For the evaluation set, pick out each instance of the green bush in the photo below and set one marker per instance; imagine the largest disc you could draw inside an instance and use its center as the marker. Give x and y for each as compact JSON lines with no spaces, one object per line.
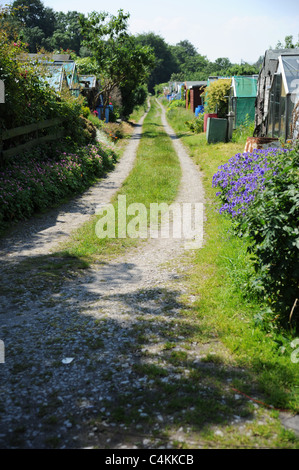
{"x":216,"y":97}
{"x":243,"y":131}
{"x":197,"y":124}
{"x":176,"y":104}
{"x":30,"y":99}
{"x":259,"y":191}
{"x":36,"y":180}
{"x":271,"y":224}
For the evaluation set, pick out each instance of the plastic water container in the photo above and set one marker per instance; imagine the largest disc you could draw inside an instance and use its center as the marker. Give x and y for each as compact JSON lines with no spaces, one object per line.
{"x":198,"y":110}
{"x":206,"y":117}
{"x":216,"y":130}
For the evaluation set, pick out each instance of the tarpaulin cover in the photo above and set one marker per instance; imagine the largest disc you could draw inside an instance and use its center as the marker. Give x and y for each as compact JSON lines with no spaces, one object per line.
{"x":245,"y":109}
{"x":245,"y":87}
{"x":244,"y":94}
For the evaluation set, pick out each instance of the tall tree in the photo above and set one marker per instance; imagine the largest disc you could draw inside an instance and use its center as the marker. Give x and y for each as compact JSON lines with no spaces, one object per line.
{"x":288,"y":43}
{"x":182,"y":51}
{"x":165,"y":62}
{"x":35,"y":22}
{"x":122,"y":60}
{"x":67,"y":34}
{"x":243,"y":69}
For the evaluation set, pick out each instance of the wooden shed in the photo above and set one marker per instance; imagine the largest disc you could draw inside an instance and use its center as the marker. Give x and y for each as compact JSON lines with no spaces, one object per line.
{"x":194,"y":91}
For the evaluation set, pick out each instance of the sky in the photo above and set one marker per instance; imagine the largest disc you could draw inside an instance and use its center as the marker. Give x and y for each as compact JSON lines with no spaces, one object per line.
{"x":238,"y":30}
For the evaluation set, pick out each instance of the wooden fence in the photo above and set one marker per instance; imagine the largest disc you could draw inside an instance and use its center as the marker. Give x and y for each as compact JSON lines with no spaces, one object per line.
{"x":33,"y":137}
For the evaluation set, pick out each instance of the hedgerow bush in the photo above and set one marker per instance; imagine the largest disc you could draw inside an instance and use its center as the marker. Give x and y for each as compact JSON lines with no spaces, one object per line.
{"x":196,"y":124}
{"x":216,"y":97}
{"x":29,"y":98}
{"x":259,"y":191}
{"x":176,"y":104}
{"x":34,"y":182}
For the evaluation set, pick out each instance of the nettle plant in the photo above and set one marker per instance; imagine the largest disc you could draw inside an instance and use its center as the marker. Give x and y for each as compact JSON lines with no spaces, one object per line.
{"x":259,"y":191}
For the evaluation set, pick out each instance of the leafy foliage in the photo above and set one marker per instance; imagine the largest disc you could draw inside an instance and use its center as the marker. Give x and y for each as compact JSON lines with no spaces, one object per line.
{"x":260,"y":191}
{"x":288,"y":43}
{"x":29,"y":98}
{"x":165,"y":63}
{"x":36,"y":180}
{"x":123,"y":62}
{"x":216,"y":97}
{"x":196,"y":125}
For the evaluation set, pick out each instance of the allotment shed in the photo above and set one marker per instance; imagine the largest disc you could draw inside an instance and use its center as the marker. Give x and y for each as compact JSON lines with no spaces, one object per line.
{"x":264,"y":86}
{"x":194,"y":92}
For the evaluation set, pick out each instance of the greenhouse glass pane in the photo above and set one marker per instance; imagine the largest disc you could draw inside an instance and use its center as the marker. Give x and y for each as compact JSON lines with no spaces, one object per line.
{"x":282,"y":116}
{"x":291,"y":72}
{"x":276,"y":103}
{"x":290,"y":109}
{"x":271,"y":115}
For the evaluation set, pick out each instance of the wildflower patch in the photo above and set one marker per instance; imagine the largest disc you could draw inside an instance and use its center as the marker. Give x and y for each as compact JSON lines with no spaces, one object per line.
{"x":34,"y":182}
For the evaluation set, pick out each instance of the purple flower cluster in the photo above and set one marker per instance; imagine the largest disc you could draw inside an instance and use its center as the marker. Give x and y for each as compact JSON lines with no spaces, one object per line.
{"x":242,"y":176}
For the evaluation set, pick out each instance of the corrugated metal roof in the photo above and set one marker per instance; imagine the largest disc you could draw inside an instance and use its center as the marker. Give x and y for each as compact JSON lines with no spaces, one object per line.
{"x":195,"y":83}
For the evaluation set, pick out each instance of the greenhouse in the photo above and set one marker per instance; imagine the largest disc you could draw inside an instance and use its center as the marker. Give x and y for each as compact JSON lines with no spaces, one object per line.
{"x":56,"y":77}
{"x":71,"y":75}
{"x":242,"y":99}
{"x":284,"y":95}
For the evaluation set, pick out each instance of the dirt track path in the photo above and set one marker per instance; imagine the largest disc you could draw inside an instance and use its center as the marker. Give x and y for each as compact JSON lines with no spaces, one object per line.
{"x":104,"y":360}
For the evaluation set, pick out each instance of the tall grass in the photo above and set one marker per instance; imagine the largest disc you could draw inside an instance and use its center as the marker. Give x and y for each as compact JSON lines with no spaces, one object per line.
{"x":219,"y":276}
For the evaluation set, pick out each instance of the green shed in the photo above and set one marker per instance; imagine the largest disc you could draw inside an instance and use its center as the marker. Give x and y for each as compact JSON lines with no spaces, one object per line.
{"x":242,"y":98}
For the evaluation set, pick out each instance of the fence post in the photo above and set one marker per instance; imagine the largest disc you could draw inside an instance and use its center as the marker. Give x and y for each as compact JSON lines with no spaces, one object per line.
{"x":2,"y":92}
{"x":230,"y":119}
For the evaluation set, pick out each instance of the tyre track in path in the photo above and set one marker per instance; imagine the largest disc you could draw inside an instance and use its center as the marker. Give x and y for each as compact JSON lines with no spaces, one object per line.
{"x":109,"y":359}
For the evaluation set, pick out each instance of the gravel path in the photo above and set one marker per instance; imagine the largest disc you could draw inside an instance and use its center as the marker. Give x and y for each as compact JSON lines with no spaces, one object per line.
{"x":103,"y":360}
{"x":39,"y":236}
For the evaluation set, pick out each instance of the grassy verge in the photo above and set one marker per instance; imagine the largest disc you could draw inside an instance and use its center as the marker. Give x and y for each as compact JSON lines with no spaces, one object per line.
{"x":218,"y":279}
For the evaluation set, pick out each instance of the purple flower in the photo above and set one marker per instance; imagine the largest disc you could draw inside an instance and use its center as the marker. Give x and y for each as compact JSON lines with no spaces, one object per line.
{"x":242,"y":177}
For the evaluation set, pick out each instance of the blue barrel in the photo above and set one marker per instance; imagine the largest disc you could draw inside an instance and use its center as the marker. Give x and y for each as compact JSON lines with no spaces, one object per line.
{"x":198,"y":110}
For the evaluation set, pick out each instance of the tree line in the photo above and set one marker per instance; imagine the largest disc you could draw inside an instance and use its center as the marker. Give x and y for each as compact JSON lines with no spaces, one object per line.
{"x":43,"y":28}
